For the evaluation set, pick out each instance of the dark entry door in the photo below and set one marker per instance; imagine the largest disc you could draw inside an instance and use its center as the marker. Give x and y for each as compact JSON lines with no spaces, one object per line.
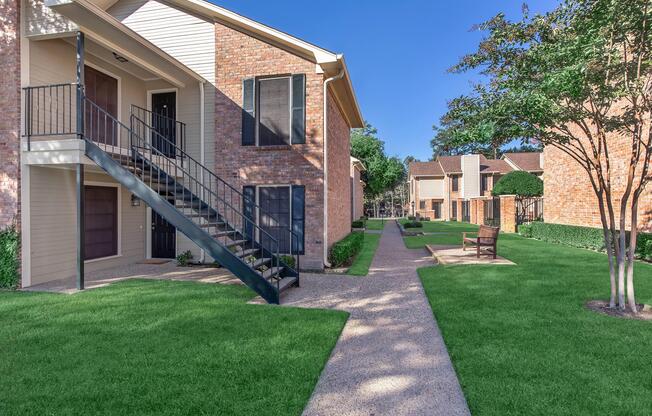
{"x":164,"y":115}
{"x":163,"y":238}
{"x":102,"y":90}
{"x":275,"y":216}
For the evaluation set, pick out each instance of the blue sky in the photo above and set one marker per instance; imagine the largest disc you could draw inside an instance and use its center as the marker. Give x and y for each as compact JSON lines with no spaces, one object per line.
{"x":397,"y":53}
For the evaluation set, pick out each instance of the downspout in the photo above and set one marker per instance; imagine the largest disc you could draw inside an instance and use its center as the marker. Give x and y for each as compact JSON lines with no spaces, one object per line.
{"x":325,"y":239}
{"x":202,"y":132}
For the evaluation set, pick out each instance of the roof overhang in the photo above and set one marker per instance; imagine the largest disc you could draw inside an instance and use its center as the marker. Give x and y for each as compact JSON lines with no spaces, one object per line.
{"x":110,"y":33}
{"x":357,"y":163}
{"x":331,"y":64}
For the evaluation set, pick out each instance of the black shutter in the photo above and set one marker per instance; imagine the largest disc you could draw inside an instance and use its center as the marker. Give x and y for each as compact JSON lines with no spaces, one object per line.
{"x":249,"y":210}
{"x":249,"y":112}
{"x":298,"y":109}
{"x":298,"y":218}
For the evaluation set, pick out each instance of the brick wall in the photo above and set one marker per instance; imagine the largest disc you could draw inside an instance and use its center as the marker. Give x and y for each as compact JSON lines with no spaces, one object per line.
{"x":240,"y":56}
{"x":339,"y":177}
{"x":569,"y":197}
{"x":357,"y":189}
{"x":9,"y":112}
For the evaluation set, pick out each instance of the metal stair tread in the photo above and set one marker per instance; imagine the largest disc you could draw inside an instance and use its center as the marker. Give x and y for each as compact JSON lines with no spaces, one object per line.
{"x":286,"y":283}
{"x":272,"y":272}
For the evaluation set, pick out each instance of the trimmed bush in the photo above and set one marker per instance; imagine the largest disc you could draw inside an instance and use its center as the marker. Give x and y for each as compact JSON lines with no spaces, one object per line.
{"x":289,"y":260}
{"x":413,"y":224}
{"x":518,"y":183}
{"x":9,"y":246}
{"x":357,"y":224}
{"x":411,"y":218}
{"x":344,"y":250}
{"x":183,"y":259}
{"x":581,"y":237}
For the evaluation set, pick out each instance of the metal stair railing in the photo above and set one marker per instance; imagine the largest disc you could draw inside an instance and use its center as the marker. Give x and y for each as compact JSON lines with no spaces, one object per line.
{"x":173,"y":130}
{"x":48,"y":113}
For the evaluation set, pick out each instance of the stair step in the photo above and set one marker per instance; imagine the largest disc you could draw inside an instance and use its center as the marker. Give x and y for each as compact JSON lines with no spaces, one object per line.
{"x":245,"y":253}
{"x":212,"y":224}
{"x":286,"y":283}
{"x":260,"y":262}
{"x":273,"y":272}
{"x":237,"y":243}
{"x":224,"y":233}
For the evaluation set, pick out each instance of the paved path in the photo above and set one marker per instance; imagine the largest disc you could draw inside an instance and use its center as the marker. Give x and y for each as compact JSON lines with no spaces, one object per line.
{"x":390,"y":358}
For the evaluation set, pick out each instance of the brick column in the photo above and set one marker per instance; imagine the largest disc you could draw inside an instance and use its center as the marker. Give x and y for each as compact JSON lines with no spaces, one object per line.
{"x":480,"y":208}
{"x":508,"y":213}
{"x":10,"y":113}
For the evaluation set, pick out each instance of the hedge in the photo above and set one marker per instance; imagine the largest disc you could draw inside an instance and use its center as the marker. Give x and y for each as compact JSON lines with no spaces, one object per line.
{"x":9,"y":245}
{"x":582,"y":237}
{"x":413,"y":224}
{"x":344,"y":250}
{"x":357,"y":224}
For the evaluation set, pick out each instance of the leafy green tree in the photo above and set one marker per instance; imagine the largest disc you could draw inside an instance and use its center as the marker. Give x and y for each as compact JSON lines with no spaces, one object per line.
{"x":576,"y":78}
{"x":519,"y":183}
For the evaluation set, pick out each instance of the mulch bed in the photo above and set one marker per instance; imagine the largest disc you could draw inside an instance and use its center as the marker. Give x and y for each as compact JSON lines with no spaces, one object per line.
{"x":600,"y":306}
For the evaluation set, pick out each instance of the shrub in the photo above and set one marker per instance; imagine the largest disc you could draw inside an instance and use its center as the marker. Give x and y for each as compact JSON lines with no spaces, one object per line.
{"x":413,"y":224}
{"x":289,"y":260}
{"x":425,"y":219}
{"x":9,"y":245}
{"x":519,"y":183}
{"x":582,"y":237}
{"x":357,"y":224}
{"x":411,"y":218}
{"x":343,"y":251}
{"x":184,"y":258}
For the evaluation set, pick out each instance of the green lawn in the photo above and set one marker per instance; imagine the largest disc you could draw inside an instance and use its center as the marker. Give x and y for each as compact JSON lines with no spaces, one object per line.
{"x":523,"y":344}
{"x":447,"y":233}
{"x":375,"y":224}
{"x":159,"y":348}
{"x":360,"y":266}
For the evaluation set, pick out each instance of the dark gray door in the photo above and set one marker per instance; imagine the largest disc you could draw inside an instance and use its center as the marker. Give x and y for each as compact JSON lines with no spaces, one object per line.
{"x":164,"y":115}
{"x":164,"y":238}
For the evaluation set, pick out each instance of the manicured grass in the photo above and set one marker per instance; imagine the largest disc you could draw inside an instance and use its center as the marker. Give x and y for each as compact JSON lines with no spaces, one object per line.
{"x":159,"y":348}
{"x":523,"y":344}
{"x":375,"y":224}
{"x":447,"y":233}
{"x":360,"y":266}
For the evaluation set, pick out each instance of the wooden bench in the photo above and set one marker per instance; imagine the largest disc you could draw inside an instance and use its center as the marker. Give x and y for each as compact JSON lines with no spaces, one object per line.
{"x":486,"y":237}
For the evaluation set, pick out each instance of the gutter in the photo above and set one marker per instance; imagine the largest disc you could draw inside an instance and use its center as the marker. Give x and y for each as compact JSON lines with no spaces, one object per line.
{"x":325,"y":238}
{"x":202,"y":148}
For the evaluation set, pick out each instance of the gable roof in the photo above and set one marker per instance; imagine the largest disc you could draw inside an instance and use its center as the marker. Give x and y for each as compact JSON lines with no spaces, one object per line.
{"x":332,"y":64}
{"x":527,"y":161}
{"x":425,"y":169}
{"x":494,"y":165}
{"x":450,"y":164}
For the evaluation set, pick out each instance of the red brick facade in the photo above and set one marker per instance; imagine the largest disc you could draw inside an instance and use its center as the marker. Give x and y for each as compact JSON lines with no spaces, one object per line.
{"x":569,"y":196}
{"x":9,"y":112}
{"x":240,"y":56}
{"x":339,"y":174}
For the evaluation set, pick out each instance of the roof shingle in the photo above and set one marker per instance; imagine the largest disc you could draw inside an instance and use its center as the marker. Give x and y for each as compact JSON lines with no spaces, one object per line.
{"x":425,"y":169}
{"x":527,"y":161}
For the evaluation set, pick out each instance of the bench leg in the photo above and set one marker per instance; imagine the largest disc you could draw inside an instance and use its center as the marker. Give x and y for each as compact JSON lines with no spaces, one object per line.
{"x":478,"y":252}
{"x":495,"y":251}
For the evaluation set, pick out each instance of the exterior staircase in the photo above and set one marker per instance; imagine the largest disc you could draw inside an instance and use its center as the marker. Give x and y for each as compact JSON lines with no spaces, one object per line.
{"x":217,"y":217}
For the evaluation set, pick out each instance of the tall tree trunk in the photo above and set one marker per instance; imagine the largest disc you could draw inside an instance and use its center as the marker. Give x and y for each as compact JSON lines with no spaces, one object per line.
{"x":631,"y":298}
{"x":609,"y":246}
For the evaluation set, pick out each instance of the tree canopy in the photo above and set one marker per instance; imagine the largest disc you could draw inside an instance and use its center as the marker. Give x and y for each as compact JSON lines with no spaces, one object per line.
{"x":519,"y":183}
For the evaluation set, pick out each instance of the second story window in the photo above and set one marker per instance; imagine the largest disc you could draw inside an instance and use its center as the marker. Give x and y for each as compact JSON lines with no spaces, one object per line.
{"x":274,"y":110}
{"x":455,"y":183}
{"x":484,"y":183}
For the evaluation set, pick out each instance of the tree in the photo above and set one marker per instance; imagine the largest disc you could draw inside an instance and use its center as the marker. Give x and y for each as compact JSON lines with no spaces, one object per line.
{"x":579,"y":78}
{"x":519,"y":183}
{"x":482,"y":122}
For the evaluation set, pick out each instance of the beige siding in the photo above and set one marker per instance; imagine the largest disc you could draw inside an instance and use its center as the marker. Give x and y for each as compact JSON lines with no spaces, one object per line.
{"x":40,"y":20}
{"x":431,"y":188}
{"x":53,"y":225}
{"x":471,"y":176}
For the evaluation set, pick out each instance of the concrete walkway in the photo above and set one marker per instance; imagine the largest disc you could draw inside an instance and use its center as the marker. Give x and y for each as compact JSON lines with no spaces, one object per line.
{"x":390,"y":358}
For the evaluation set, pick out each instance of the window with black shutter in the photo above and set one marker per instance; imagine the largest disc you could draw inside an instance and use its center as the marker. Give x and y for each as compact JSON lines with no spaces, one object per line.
{"x":422,"y":204}
{"x":274,"y":110}
{"x":455,"y":183}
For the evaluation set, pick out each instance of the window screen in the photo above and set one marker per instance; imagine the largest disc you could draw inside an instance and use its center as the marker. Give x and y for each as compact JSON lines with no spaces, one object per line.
{"x":274,"y":111}
{"x":275,"y":215}
{"x":100,"y":222}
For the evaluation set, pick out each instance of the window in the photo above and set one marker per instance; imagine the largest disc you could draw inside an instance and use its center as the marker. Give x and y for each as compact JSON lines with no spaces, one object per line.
{"x":455,"y":183}
{"x":282,"y":208}
{"x":422,"y":204}
{"x":274,"y":111}
{"x":436,"y":207}
{"x":484,"y":183}
{"x":100,"y":222}
{"x":454,"y":210}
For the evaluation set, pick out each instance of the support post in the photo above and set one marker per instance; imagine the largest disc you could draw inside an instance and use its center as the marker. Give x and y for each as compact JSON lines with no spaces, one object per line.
{"x":80,"y":167}
{"x":80,"y":84}
{"x":80,"y":227}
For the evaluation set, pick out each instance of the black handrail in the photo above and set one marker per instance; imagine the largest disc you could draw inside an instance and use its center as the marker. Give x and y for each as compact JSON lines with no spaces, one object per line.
{"x":170,"y":128}
{"x":199,"y":187}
